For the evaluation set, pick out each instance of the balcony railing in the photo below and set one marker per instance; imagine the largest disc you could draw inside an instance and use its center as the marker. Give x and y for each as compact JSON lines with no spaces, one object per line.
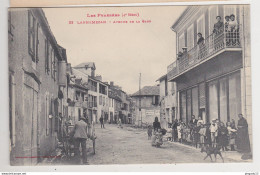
{"x":211,"y":45}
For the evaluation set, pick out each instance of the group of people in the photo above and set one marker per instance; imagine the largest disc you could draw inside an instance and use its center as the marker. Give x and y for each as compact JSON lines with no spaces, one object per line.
{"x":228,"y":136}
{"x":231,"y":30}
{"x":155,"y":133}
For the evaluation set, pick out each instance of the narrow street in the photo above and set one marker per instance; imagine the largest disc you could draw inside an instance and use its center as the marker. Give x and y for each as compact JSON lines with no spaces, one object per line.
{"x":131,"y":146}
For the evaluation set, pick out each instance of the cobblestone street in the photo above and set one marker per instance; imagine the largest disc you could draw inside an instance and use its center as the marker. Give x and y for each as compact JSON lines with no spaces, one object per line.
{"x":130,"y":146}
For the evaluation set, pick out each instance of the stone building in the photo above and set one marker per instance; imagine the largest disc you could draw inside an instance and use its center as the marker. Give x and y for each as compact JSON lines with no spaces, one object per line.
{"x":97,"y":93}
{"x":148,"y":109}
{"x":167,"y":101}
{"x":37,"y":83}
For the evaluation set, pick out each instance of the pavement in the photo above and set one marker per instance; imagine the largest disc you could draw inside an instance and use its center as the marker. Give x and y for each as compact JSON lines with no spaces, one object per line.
{"x":130,"y":145}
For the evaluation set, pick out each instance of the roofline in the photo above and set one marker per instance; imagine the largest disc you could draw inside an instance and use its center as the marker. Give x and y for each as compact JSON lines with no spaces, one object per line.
{"x":97,"y":80}
{"x":144,"y":95}
{"x":162,"y":77}
{"x":47,"y":29}
{"x":180,"y":17}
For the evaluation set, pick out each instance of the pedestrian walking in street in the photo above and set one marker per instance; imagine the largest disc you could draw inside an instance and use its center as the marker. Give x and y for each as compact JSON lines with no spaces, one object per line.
{"x":150,"y":132}
{"x":102,"y":121}
{"x":80,"y":136}
{"x":119,"y":123}
{"x":243,"y":143}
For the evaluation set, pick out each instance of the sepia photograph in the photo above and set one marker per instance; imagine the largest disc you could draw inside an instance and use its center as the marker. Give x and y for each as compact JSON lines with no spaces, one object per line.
{"x":130,"y":85}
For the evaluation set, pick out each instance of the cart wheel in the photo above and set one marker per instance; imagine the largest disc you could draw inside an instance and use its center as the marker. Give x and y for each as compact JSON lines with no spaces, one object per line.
{"x":94,"y":146}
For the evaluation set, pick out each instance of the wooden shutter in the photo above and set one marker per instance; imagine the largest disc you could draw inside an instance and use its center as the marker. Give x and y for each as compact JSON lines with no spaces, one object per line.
{"x":190,"y":37}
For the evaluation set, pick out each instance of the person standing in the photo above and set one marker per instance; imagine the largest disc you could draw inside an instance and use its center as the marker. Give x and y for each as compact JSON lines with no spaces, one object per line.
{"x":243,"y":143}
{"x":174,"y":130}
{"x":227,"y":18}
{"x":201,"y":45}
{"x":102,"y":121}
{"x":156,"y":124}
{"x":232,"y":135}
{"x":80,"y":137}
{"x":223,"y":136}
{"x":218,"y":29}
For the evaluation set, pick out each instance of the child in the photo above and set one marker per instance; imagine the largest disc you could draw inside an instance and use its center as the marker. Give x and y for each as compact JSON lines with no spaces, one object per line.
{"x":232,"y":135}
{"x":202,"y":133}
{"x":150,"y":132}
{"x":179,"y":130}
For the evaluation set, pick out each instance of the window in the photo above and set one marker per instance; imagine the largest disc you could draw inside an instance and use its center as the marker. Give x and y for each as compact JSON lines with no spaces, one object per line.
{"x":166,"y":87}
{"x":47,"y":113}
{"x":189,"y":105}
{"x":230,"y":9}
{"x":53,"y":65}
{"x":33,"y":37}
{"x":77,"y":95}
{"x":183,"y":106}
{"x":95,"y":101}
{"x":50,"y":57}
{"x":47,"y":68}
{"x":181,"y":42}
{"x":213,"y":13}
{"x":223,"y":99}
{"x":234,"y":96}
{"x":190,"y":37}
{"x":195,"y":101}
{"x":100,"y":100}
{"x":104,"y":101}
{"x":213,"y":100}
{"x":201,"y":25}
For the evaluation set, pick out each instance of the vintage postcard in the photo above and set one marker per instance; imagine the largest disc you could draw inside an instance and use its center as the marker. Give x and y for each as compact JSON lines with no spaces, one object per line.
{"x":130,"y":85}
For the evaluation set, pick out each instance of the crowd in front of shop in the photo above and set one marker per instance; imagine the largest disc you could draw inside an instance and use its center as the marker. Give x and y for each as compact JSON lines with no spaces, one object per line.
{"x":226,"y":136}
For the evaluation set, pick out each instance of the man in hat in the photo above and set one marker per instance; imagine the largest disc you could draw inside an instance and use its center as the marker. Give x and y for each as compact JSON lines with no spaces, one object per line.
{"x":80,"y":136}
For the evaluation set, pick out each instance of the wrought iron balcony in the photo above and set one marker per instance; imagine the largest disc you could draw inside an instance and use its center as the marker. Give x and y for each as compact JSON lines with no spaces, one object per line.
{"x":213,"y":45}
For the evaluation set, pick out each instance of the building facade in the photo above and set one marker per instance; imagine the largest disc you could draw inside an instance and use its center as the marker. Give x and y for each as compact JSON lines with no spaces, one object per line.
{"x":97,"y":93}
{"x":148,"y":109}
{"x":37,"y":83}
{"x":213,"y":78}
{"x":167,"y":102}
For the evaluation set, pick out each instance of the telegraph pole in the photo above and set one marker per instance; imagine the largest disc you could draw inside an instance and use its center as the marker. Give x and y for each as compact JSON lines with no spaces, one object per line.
{"x":140,"y":110}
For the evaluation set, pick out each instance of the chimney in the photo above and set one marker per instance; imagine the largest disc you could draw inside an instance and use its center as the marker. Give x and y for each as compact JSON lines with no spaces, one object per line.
{"x":111,"y":83}
{"x":99,"y":77}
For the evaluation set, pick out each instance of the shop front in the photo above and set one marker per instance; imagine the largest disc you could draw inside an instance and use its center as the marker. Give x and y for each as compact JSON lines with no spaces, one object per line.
{"x":212,"y":90}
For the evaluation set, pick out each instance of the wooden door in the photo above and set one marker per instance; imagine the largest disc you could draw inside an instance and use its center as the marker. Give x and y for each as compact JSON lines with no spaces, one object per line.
{"x":30,"y":126}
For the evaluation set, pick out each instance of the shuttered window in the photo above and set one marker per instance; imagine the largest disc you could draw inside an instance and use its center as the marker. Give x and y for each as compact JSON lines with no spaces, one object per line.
{"x":190,"y":37}
{"x":202,"y":99}
{"x":201,"y":25}
{"x":230,"y":9}
{"x":213,"y":13}
{"x":181,"y":42}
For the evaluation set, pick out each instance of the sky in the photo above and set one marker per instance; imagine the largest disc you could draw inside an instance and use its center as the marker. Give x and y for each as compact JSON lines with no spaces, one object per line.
{"x":121,"y":51}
